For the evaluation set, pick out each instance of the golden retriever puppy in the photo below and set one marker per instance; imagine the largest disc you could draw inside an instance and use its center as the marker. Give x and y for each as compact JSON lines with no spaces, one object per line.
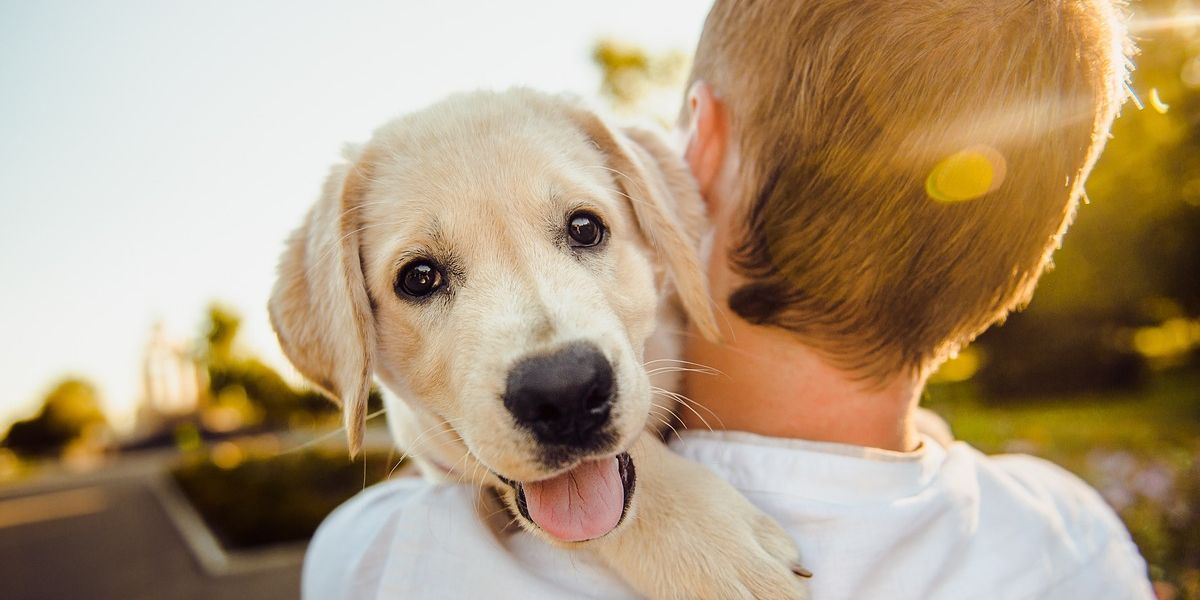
{"x":516,"y":273}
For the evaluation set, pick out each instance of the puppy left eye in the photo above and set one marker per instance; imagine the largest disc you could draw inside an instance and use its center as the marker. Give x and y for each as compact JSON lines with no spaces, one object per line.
{"x":584,"y":230}
{"x":418,"y":279}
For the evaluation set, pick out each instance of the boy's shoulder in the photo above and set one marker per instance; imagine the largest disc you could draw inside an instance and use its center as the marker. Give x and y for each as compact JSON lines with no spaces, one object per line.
{"x":1047,"y":486}
{"x":944,"y":521}
{"x":1082,"y":548}
{"x":1054,"y":496}
{"x":967,"y":526}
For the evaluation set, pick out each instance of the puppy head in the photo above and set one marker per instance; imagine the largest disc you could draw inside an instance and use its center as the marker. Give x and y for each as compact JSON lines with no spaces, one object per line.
{"x":497,"y":260}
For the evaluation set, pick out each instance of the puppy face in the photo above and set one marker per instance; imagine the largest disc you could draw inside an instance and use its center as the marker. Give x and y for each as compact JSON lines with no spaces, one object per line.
{"x":497,"y":260}
{"x":495,"y":241}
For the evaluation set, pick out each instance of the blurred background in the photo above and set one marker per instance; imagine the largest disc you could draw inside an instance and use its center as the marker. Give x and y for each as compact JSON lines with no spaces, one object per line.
{"x":153,"y":441}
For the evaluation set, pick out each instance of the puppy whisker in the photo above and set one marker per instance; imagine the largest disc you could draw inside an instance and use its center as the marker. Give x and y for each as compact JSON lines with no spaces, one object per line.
{"x":659,"y":370}
{"x":661,"y":419}
{"x":362,"y":205}
{"x":681,"y":362}
{"x":325,"y":436}
{"x":442,"y":428}
{"x":687,"y":403}
{"x":454,"y":469}
{"x":392,"y":470}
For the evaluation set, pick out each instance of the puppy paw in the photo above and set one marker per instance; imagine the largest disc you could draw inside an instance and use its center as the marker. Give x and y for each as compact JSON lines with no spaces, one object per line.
{"x":692,"y":535}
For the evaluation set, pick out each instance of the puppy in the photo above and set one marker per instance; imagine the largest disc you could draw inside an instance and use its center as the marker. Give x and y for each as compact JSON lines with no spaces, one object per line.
{"x":516,"y":273}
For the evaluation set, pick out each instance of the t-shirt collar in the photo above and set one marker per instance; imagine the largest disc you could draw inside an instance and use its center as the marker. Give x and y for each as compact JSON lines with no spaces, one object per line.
{"x":824,"y":471}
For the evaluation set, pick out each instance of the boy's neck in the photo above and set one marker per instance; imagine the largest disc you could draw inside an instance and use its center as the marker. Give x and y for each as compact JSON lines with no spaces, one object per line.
{"x":771,"y":385}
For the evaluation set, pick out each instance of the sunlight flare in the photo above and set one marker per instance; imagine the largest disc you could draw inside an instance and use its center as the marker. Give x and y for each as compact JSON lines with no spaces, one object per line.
{"x":1157,"y":103}
{"x":1162,"y":23}
{"x":966,"y":175}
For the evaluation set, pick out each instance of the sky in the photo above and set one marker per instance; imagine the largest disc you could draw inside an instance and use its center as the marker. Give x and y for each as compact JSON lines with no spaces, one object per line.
{"x":154,"y":155}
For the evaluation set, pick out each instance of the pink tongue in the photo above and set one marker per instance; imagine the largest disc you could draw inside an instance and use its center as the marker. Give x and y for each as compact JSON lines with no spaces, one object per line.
{"x":581,"y":504}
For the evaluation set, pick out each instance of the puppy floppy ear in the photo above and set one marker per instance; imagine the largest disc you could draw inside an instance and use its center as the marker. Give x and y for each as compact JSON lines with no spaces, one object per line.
{"x":319,"y":307}
{"x":667,"y":206}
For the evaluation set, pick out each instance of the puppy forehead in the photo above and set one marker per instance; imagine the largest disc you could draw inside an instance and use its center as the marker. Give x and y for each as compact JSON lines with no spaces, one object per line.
{"x":448,"y":179}
{"x":478,"y":153}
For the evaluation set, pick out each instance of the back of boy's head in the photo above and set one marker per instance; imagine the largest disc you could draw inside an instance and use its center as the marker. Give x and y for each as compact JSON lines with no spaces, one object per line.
{"x":907,"y":166}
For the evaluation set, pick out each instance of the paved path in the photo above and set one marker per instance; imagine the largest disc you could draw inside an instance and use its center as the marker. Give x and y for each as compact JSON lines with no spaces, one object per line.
{"x":108,"y":537}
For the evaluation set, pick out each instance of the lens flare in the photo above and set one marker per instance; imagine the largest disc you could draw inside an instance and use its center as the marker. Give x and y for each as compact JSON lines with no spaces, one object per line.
{"x":1190,"y":74}
{"x":1157,"y":103}
{"x":1182,"y":20}
{"x":966,"y":175}
{"x":227,"y":455}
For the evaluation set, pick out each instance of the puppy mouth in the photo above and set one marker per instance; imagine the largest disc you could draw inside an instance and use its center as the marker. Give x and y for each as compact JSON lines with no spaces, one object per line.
{"x":583,"y":503}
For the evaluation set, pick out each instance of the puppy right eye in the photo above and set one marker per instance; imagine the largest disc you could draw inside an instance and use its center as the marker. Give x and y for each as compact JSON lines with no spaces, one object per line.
{"x":585,"y":230}
{"x":418,"y":279}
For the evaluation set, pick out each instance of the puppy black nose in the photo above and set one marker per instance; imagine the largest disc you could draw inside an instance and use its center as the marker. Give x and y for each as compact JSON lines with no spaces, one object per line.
{"x":563,"y":398}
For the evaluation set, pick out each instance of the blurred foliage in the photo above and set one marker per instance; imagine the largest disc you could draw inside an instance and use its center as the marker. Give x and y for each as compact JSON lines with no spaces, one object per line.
{"x":221,"y":329}
{"x":635,"y":81}
{"x":256,"y":500}
{"x":253,"y":496}
{"x":1124,"y":293}
{"x":1039,"y":354}
{"x":70,"y":412}
{"x":246,"y":386}
{"x":1133,"y":247}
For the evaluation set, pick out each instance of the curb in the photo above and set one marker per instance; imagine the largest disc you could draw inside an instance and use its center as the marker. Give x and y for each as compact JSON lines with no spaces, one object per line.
{"x":212,"y":557}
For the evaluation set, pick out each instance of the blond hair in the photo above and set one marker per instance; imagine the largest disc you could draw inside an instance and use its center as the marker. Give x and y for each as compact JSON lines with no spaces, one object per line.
{"x":849,"y":116}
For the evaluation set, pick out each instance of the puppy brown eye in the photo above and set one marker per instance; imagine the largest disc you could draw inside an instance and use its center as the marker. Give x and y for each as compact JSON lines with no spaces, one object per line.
{"x":419,"y":279}
{"x":584,"y":230}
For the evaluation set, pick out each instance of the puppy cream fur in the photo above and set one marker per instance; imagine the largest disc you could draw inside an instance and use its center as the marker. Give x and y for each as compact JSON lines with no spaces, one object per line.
{"x":483,"y":181}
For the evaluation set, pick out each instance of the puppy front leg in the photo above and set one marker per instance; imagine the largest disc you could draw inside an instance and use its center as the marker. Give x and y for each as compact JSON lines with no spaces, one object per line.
{"x":692,"y":535}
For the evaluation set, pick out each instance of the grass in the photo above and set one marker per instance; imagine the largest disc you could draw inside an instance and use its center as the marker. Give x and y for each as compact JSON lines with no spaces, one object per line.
{"x":1163,"y":417}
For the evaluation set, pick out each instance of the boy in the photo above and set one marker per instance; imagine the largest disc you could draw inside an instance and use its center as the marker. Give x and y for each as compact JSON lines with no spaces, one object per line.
{"x":885,"y":180}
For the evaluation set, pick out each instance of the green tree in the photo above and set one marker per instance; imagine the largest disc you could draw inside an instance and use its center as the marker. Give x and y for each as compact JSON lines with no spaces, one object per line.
{"x":1131,"y":259}
{"x":221,"y":329}
{"x":1135,"y":238}
{"x":237,"y":376}
{"x":234,"y":375}
{"x":69,"y":410}
{"x":638,"y":82}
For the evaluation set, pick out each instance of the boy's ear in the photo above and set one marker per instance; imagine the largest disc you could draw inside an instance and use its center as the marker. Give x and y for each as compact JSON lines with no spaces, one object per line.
{"x":667,"y":206}
{"x":707,"y":135}
{"x":319,"y":306}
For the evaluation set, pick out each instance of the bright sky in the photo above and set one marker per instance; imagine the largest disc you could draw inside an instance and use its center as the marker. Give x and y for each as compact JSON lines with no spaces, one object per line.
{"x":154,"y":155}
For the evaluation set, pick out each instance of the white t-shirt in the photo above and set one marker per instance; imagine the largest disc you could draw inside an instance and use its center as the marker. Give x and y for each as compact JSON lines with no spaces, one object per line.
{"x":935,"y":523}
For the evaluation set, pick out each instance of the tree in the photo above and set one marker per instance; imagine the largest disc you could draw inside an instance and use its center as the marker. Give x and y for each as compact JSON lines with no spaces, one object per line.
{"x":1129,"y":263}
{"x":637,"y":82}
{"x":234,"y":375}
{"x":221,"y":329}
{"x":68,"y":411}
